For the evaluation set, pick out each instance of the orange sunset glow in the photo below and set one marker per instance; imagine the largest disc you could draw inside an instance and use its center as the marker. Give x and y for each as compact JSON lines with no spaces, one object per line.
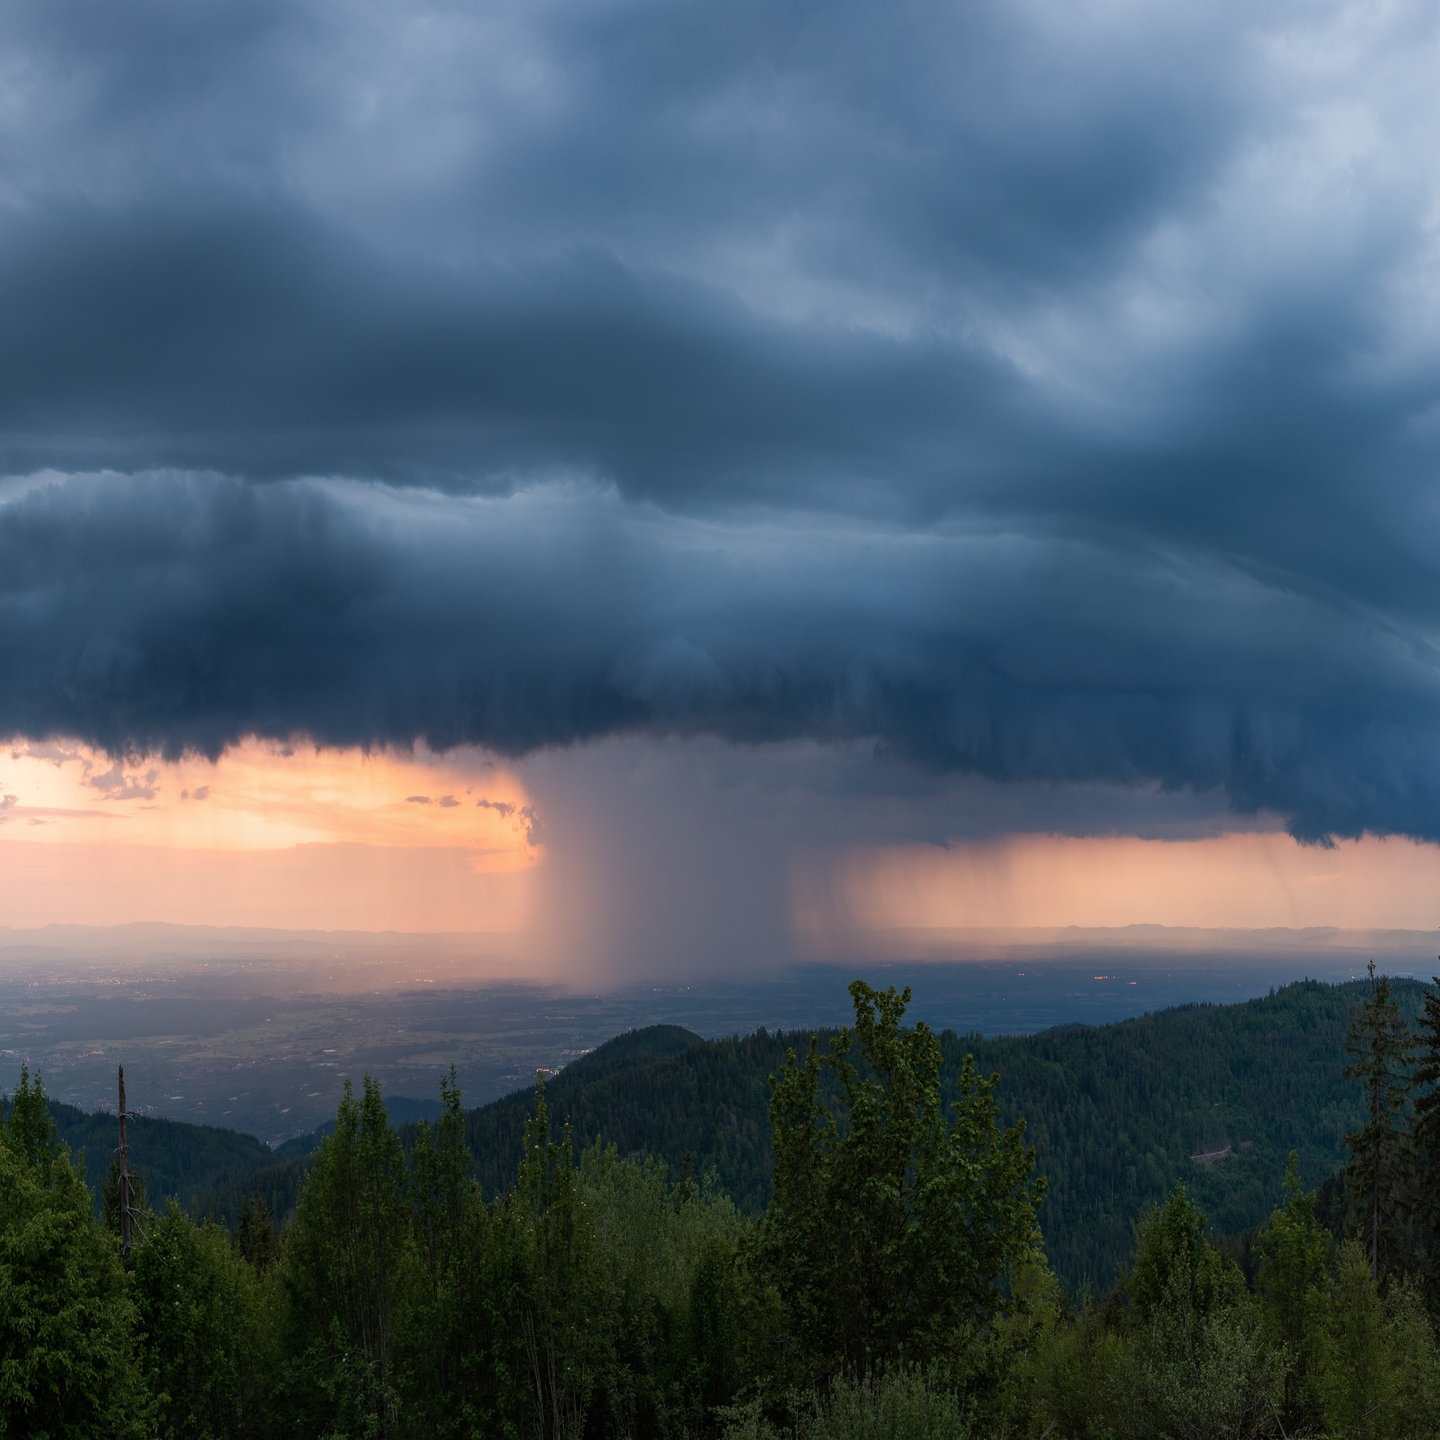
{"x":1242,"y":880}
{"x":265,"y":797}
{"x":267,"y":835}
{"x":295,"y":837}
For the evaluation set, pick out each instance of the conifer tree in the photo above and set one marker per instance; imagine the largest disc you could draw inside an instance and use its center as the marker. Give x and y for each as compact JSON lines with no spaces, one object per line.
{"x":1426,"y":1078}
{"x":1293,"y":1247}
{"x":204,"y":1336}
{"x":1425,"y":1132}
{"x":564,"y":1301}
{"x":67,"y":1325}
{"x":344,"y":1264}
{"x":451,"y":1342}
{"x":256,"y":1239}
{"x":1379,"y":1050}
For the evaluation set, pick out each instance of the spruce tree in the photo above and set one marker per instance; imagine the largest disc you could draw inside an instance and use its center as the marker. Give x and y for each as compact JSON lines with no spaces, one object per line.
{"x":343,"y":1267}
{"x":1379,"y":1050}
{"x":67,"y":1324}
{"x":1426,"y":1079}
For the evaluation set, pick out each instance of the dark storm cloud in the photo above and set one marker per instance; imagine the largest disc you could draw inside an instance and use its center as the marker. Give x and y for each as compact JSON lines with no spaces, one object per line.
{"x":185,"y":612}
{"x":261,"y":344}
{"x":709,"y":254}
{"x":1045,"y":394}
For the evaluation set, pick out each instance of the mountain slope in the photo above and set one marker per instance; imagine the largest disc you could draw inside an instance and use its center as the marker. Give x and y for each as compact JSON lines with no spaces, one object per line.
{"x":171,"y":1157}
{"x":1116,"y":1113}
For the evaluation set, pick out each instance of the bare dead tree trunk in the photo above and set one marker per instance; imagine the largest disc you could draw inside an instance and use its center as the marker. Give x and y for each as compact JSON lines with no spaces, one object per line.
{"x":124,"y":1175}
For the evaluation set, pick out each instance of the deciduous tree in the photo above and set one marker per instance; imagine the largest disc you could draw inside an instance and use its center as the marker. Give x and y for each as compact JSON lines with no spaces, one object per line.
{"x":894,"y":1226}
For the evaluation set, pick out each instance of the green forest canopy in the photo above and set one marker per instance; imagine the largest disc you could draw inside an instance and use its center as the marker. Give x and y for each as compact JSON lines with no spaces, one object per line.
{"x":895,"y":1282}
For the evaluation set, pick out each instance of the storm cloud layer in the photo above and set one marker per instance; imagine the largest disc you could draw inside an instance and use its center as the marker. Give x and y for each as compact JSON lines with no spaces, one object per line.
{"x":182,"y":612}
{"x":1043,"y":396}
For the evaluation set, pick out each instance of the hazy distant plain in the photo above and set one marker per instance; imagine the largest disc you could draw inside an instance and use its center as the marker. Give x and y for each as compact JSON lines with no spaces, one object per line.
{"x":257,"y":1031}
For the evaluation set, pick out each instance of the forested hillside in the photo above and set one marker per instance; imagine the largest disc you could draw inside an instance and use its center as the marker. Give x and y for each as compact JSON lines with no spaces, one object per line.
{"x":1115,"y":1112}
{"x":177,"y":1160}
{"x":895,"y":1283}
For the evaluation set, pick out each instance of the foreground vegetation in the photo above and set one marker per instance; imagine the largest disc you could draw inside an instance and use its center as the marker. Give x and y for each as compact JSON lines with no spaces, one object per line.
{"x":896,"y":1283}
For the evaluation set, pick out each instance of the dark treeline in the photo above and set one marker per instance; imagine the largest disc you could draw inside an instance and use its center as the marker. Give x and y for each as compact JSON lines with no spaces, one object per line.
{"x":895,"y":1283}
{"x":180,"y":1158}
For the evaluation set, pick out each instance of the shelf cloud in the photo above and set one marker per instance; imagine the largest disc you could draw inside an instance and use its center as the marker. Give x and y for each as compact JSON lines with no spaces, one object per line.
{"x":174,"y":612}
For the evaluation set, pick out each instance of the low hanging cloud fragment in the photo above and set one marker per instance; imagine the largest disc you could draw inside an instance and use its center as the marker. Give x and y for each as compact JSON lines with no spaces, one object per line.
{"x":529,"y":816}
{"x":176,"y":613}
{"x":117,"y":783}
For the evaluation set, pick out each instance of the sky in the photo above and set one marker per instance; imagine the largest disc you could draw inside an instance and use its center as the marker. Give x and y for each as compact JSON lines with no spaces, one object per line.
{"x":780,"y":471}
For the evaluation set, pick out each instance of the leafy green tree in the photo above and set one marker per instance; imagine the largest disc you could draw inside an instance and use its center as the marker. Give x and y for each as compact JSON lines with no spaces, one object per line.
{"x":207,"y":1348}
{"x":1085,"y":1378}
{"x":1293,"y":1247}
{"x":1379,"y":1049}
{"x":667,"y":1256}
{"x":67,"y":1362}
{"x":1022,"y":1339}
{"x":893,"y":1229}
{"x":565,"y":1304}
{"x":902,"y":1404}
{"x":1217,"y":1378}
{"x":1377,"y":1376}
{"x":1202,"y":1367}
{"x":1176,"y":1266}
{"x":344,"y":1269}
